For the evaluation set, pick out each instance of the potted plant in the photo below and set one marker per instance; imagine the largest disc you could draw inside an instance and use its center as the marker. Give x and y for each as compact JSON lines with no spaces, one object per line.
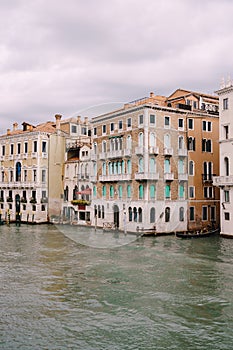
{"x":23,"y":200}
{"x":81,"y":203}
{"x":33,"y":200}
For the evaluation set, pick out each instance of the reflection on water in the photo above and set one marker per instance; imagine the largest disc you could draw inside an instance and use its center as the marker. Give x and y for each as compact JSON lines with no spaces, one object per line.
{"x":152,"y":293}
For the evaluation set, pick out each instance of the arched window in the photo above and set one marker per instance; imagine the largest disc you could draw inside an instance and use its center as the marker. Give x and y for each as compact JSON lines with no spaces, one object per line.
{"x":167,"y":165}
{"x":152,"y":140}
{"x":191,"y":167}
{"x":181,"y":214}
{"x":18,"y":171}
{"x":180,"y":142}
{"x":66,"y":193}
{"x":120,"y":191}
{"x":226,"y":166}
{"x":129,"y":168}
{"x":130,"y":214}
{"x":152,"y":215}
{"x":139,"y":214}
{"x":167,"y":141}
{"x":104,"y":168}
{"x":140,"y":139}
{"x":94,"y":191}
{"x":128,"y":191}
{"x":111,"y":191}
{"x":104,"y":192}
{"x":110,"y":168}
{"x":104,"y":146}
{"x":141,"y":191}
{"x":152,"y":191}
{"x":119,"y":167}
{"x":99,"y":211}
{"x":140,"y":165}
{"x":135,"y":214}
{"x":181,"y":166}
{"x":94,"y":169}
{"x":75,"y":190}
{"x":129,"y":142}
{"x":152,"y":165}
{"x":95,"y":148}
{"x":95,"y":210}
{"x":122,"y":167}
{"x":102,"y":211}
{"x":82,"y":170}
{"x":86,"y":170}
{"x":167,"y":214}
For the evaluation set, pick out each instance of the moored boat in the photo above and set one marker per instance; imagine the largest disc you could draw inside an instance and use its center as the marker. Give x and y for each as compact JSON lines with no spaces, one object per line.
{"x":196,"y":234}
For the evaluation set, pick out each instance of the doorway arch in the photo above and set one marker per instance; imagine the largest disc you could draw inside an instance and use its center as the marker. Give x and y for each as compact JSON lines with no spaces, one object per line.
{"x":116,"y":215}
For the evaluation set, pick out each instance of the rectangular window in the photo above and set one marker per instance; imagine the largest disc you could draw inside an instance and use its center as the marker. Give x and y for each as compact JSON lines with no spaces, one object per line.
{"x":84,"y":130}
{"x":192,"y":213}
{"x":226,"y":131}
{"x":225,"y":103}
{"x":35,"y":146}
{"x":129,"y":123}
{"x":18,"y":148}
{"x":43,"y":177}
{"x":112,"y":127}
{"x":34,"y":175}
{"x":12,"y":149}
{"x":167,"y":192}
{"x":204,"y":125}
{"x":44,"y":146}
{"x":166,"y":121}
{"x":95,"y":131}
{"x":104,"y":129}
{"x":180,"y":123}
{"x":191,"y":143}
{"x":209,"y":126}
{"x":26,"y":147}
{"x":73,"y":129}
{"x":152,"y":119}
{"x":25,"y":175}
{"x":120,"y":124}
{"x":190,"y":124}
{"x":140,"y":121}
{"x":195,"y":104}
{"x":191,"y":192}
{"x":204,"y":213}
{"x":227,"y":216}
{"x":3,"y":150}
{"x":181,"y":191}
{"x":227,"y":196}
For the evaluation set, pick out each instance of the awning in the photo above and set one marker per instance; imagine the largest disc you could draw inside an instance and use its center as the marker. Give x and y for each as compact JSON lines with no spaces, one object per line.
{"x":86,"y":191}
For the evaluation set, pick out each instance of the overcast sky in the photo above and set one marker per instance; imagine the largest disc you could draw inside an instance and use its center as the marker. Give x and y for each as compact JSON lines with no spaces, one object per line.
{"x":66,"y":56}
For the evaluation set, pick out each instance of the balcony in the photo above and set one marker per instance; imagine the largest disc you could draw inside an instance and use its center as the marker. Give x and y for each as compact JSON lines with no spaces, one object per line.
{"x":154,"y":150}
{"x":127,"y":152}
{"x":94,"y":157}
{"x":183,"y":177}
{"x":115,"y":178}
{"x":34,"y":154}
{"x":207,"y":178}
{"x":182,"y":152}
{"x":93,"y":178}
{"x":168,"y":151}
{"x":168,"y":176}
{"x":221,"y":181}
{"x":102,"y":155}
{"x":115,"y":154}
{"x":139,"y":150}
{"x":147,"y":176}
{"x":44,"y":155}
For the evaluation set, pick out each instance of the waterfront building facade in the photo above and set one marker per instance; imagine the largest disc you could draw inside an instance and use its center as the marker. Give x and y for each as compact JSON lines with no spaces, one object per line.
{"x":77,"y":196}
{"x":144,"y":156}
{"x":30,"y":181}
{"x":225,"y":180}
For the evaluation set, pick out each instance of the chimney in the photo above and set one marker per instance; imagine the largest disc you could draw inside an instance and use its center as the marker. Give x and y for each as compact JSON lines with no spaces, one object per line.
{"x":8,"y":132}
{"x":152,"y":94}
{"x":79,"y":119}
{"x":15,"y":126}
{"x":58,"y":119}
{"x":86,"y":120}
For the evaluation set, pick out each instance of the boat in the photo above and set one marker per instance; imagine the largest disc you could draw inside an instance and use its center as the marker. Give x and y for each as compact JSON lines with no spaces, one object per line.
{"x":196,"y":234}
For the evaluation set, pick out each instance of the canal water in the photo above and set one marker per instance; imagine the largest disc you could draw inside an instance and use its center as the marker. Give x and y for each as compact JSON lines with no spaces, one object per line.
{"x":57,"y":292}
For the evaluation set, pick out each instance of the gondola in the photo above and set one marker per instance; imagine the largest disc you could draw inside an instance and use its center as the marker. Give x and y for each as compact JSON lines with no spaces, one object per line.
{"x":196,"y":234}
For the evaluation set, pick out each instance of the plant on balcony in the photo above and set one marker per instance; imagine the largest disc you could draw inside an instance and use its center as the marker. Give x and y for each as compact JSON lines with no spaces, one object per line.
{"x":1,"y":199}
{"x":44,"y":200}
{"x":9,"y":199}
{"x":80,"y":202}
{"x":23,"y":200}
{"x":33,"y":200}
